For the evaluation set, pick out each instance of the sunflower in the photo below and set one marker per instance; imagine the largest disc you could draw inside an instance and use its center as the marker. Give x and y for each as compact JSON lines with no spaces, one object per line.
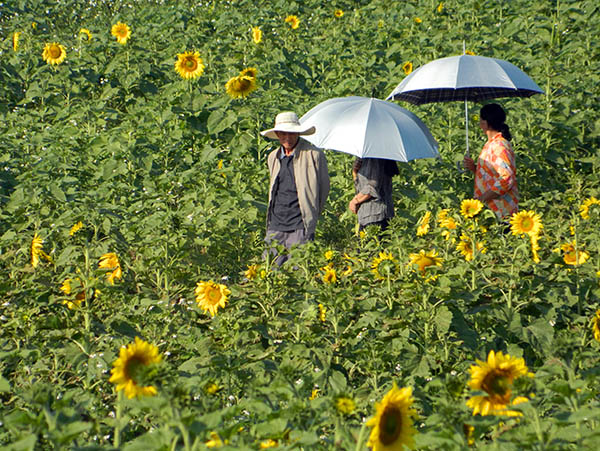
{"x":251,"y":72}
{"x":269,"y":443}
{"x":425,"y":259}
{"x":251,"y":272}
{"x":322,"y":313}
{"x":121,"y":31}
{"x":111,"y":261}
{"x":526,"y":222}
{"x":423,"y":224}
{"x":466,"y":248}
{"x":256,"y":35}
{"x":189,"y":65}
{"x":407,"y":67}
{"x":338,"y":13}
{"x":440,"y":7}
{"x":330,"y":275}
{"x":329,"y":254}
{"x":495,"y":377}
{"x":86,"y":32}
{"x":36,"y":250}
{"x":418,"y":20}
{"x":76,"y":228}
{"x":384,"y":265}
{"x":344,"y":405}
{"x":470,"y":208}
{"x":535,"y":247}
{"x":314,"y":394}
{"x":15,"y":39}
{"x":584,"y":209}
{"x":214,"y":442}
{"x":211,"y":388}
{"x":240,"y":86}
{"x":66,"y":289}
{"x":210,"y":296}
{"x":54,"y":53}
{"x":573,"y":255}
{"x":393,"y":421}
{"x":293,"y":21}
{"x":130,"y":365}
{"x":596,"y":325}
{"x":448,"y":223}
{"x":468,"y":52}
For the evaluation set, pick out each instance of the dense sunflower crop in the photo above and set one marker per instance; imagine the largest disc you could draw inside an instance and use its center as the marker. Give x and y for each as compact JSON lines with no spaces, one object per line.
{"x":136,"y":311}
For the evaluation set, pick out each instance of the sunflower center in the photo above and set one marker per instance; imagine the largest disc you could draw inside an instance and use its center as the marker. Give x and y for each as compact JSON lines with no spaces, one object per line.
{"x":55,"y":51}
{"x":527,"y":224}
{"x":424,"y":262}
{"x":243,"y":84}
{"x":191,"y":64}
{"x":497,"y":384}
{"x":132,"y":368}
{"x":213,"y":295}
{"x":390,"y":425}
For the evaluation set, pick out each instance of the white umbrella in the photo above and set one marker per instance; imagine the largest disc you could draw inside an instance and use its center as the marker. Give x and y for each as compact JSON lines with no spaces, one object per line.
{"x":464,"y":77}
{"x":369,"y":128}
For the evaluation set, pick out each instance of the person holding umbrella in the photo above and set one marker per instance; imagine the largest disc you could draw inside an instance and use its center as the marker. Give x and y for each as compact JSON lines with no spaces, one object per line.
{"x":373,"y":202}
{"x":495,"y":172}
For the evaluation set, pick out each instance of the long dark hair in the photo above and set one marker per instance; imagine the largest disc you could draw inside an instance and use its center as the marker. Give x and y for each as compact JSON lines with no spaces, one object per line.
{"x":495,"y":116}
{"x":390,"y":167}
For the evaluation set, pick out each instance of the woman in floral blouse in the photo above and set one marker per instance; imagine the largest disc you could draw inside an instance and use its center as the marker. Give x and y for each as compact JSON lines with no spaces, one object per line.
{"x":495,"y":172}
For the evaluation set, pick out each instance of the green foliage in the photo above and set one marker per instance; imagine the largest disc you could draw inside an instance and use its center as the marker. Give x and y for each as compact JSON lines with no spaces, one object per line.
{"x":170,"y":175}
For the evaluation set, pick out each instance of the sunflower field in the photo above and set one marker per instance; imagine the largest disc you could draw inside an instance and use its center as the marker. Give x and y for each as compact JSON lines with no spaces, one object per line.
{"x":136,"y":310}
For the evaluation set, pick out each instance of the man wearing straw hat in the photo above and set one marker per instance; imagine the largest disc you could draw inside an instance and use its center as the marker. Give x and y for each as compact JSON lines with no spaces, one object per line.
{"x":299,"y":184}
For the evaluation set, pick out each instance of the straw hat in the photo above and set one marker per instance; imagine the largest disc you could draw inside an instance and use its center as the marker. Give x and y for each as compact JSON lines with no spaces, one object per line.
{"x":287,"y":122}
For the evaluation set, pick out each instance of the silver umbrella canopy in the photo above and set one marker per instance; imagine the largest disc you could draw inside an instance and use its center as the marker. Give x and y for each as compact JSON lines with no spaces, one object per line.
{"x":369,"y":128}
{"x":464,"y":77}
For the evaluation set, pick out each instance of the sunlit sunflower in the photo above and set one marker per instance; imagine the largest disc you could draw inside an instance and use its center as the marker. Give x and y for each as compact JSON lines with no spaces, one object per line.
{"x":214,"y":441}
{"x":393,"y":421}
{"x":423,"y":224}
{"x":257,"y":35}
{"x":535,"y":247}
{"x":36,"y":250}
{"x":87,"y":33}
{"x":425,"y":259}
{"x":240,"y":86}
{"x":251,"y":272}
{"x":66,"y":289}
{"x":468,"y":431}
{"x":448,"y":223}
{"x":269,"y":443}
{"x":210,"y":296}
{"x":314,"y":394}
{"x":584,"y":209}
{"x":344,"y":405}
{"x":15,"y":38}
{"x":384,"y":265}
{"x":131,"y":365}
{"x":251,"y":72}
{"x":54,"y":53}
{"x":211,"y":388}
{"x":189,"y":65}
{"x":468,"y":52}
{"x":121,"y":31}
{"x":465,"y":246}
{"x":440,"y":7}
{"x":330,"y":275}
{"x":495,"y":377}
{"x":596,"y":325}
{"x":338,"y":13}
{"x":470,"y":208}
{"x":526,"y":222}
{"x":322,"y":313}
{"x":328,"y":254}
{"x":574,"y":255}
{"x":407,"y":67}
{"x":418,"y":20}
{"x":111,"y":261}
{"x":76,"y":228}
{"x":293,"y":21}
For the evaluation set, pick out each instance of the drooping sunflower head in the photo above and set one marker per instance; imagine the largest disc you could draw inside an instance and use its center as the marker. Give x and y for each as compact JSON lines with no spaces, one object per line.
{"x":210,"y":296}
{"x":338,"y":13}
{"x":584,"y":209}
{"x":293,"y":21}
{"x":393,"y":421}
{"x":54,"y":53}
{"x":131,"y":366}
{"x":573,"y":254}
{"x":189,"y":65}
{"x":535,"y":247}
{"x":526,"y":222}
{"x":251,"y":72}
{"x":252,"y":272}
{"x":330,"y":274}
{"x":111,"y":261}
{"x":15,"y":38}
{"x":240,"y":86}
{"x":85,"y":32}
{"x":384,"y":265}
{"x":36,"y":247}
{"x":470,"y":208}
{"x":407,"y":67}
{"x":121,"y":32}
{"x":344,"y":404}
{"x":76,"y":228}
{"x":440,"y":7}
{"x":465,"y":246}
{"x":596,"y":325}
{"x":322,"y":313}
{"x":257,"y":35}
{"x":425,"y":259}
{"x":423,"y":227}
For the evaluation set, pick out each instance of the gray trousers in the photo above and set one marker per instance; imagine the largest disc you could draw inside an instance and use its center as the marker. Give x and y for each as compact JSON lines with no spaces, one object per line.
{"x":287,"y":240}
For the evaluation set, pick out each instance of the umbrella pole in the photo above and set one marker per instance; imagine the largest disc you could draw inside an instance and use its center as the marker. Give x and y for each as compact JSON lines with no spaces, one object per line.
{"x":467,"y":153}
